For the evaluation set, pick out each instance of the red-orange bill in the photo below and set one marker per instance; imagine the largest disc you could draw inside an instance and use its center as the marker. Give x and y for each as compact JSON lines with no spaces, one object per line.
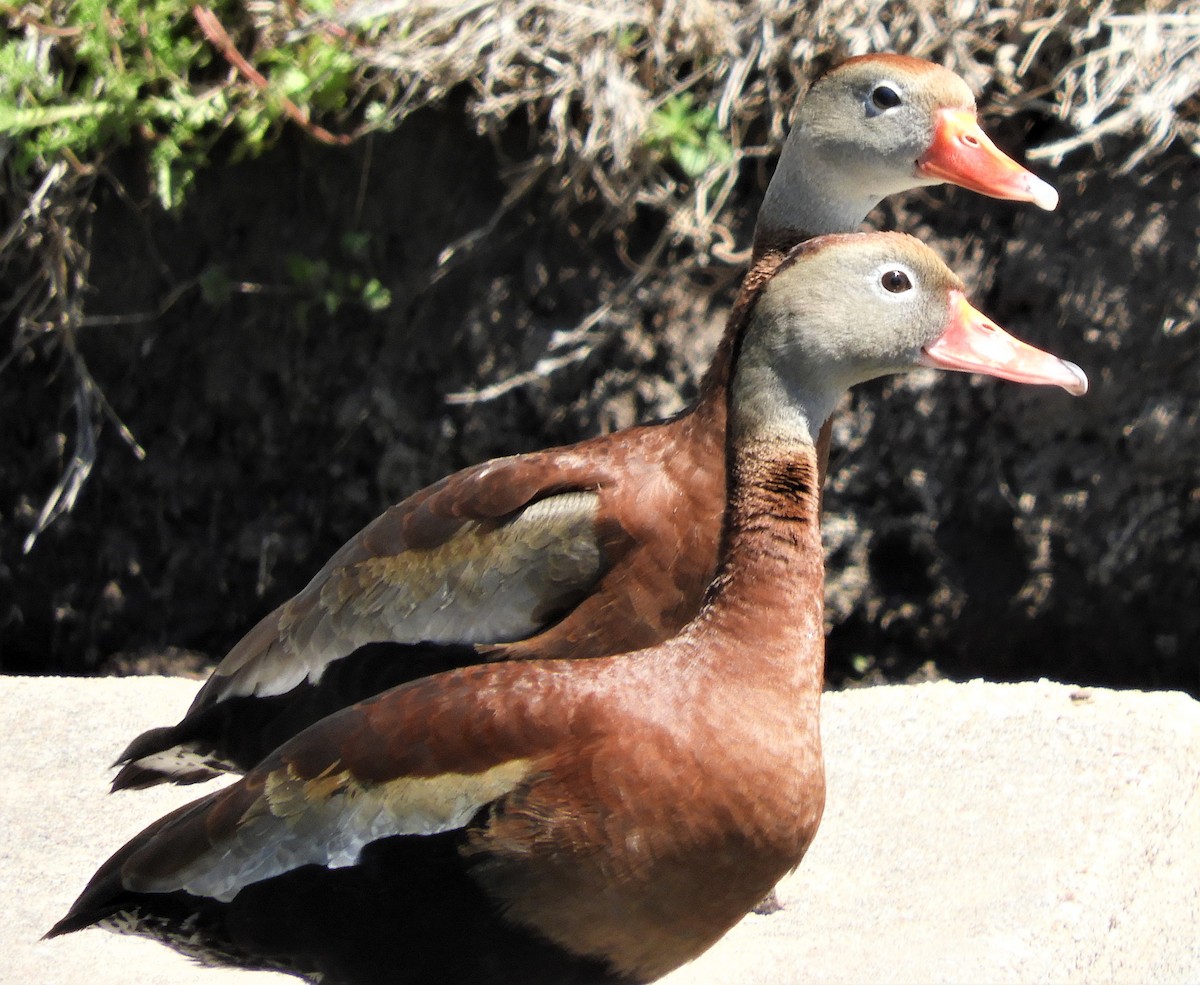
{"x":973,"y":343}
{"x":962,"y":154}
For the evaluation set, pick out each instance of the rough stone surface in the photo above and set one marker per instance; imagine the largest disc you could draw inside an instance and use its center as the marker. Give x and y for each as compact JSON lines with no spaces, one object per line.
{"x":974,"y":832}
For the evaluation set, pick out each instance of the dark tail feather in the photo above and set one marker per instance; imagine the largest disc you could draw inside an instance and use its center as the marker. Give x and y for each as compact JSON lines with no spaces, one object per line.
{"x":234,"y":734}
{"x":104,"y":895}
{"x":151,"y":741}
{"x":135,"y":777}
{"x":75,"y":921}
{"x":189,"y":765}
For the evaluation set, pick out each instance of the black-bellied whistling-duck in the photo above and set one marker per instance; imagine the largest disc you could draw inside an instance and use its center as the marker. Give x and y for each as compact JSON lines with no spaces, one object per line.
{"x":596,"y":548}
{"x":578,"y":821}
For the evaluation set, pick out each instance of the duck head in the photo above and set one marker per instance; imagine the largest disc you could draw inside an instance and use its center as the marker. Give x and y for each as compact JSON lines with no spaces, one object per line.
{"x":844,"y":309}
{"x":874,"y":126}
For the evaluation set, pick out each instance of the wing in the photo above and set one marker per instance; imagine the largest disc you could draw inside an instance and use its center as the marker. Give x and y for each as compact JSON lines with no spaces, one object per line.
{"x":385,"y":842}
{"x":422,"y":759}
{"x":491,"y":554}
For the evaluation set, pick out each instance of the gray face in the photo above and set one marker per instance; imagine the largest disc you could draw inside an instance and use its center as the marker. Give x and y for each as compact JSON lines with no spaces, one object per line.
{"x":872,"y":119}
{"x":855,"y":307}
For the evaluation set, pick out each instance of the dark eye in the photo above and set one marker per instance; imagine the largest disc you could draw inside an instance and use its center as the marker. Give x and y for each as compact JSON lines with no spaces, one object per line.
{"x":884,"y":97}
{"x":896,"y":281}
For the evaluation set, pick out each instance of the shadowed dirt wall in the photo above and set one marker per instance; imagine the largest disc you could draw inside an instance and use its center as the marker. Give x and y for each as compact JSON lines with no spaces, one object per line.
{"x":994,"y":530}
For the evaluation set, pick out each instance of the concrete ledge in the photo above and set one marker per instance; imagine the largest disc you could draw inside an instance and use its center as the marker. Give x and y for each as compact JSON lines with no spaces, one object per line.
{"x":974,"y":833}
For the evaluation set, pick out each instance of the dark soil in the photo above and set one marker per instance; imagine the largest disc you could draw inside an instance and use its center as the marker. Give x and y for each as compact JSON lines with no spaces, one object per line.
{"x":990,"y":529}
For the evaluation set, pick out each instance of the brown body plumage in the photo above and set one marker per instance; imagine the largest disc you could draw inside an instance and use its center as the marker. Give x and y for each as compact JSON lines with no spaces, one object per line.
{"x":597,"y":548}
{"x":577,"y":821}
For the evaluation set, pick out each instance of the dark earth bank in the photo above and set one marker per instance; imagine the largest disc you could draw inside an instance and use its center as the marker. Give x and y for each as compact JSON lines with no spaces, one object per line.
{"x":975,"y":528}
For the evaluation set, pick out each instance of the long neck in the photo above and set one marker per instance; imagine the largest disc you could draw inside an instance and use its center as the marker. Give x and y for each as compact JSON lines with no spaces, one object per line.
{"x":711,"y":407}
{"x":805,"y":198}
{"x":767,"y":598}
{"x":770,"y":575}
{"x":807,"y":192}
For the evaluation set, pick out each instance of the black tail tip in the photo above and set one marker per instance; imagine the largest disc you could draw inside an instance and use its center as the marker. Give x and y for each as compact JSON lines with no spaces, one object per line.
{"x":134,"y":777}
{"x":67,"y":925}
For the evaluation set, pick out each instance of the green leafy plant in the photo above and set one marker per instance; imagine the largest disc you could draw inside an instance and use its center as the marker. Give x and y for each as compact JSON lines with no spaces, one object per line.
{"x":315,"y":284}
{"x":96,"y":74}
{"x":321,"y":285}
{"x":689,"y":134}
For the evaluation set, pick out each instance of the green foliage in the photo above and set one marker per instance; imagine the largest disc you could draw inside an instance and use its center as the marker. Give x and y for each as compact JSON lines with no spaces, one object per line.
{"x":312,"y":73}
{"x":689,"y":134}
{"x":93,"y":74}
{"x":315,"y":284}
{"x":320,"y":284}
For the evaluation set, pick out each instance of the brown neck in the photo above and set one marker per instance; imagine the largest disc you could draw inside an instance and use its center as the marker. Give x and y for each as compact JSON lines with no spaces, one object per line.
{"x":770,"y":577}
{"x":767,"y":597}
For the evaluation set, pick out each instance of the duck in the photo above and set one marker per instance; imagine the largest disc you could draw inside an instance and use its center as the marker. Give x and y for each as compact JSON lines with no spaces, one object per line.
{"x":570,"y":821}
{"x":594,"y":548}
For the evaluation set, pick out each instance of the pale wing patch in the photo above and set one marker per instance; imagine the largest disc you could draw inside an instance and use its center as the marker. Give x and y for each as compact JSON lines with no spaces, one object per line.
{"x":481,"y":586}
{"x":327,"y":820}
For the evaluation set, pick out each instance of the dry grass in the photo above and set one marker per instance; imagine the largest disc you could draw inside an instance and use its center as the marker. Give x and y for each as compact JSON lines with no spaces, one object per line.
{"x":1134,"y":75}
{"x":590,"y":77}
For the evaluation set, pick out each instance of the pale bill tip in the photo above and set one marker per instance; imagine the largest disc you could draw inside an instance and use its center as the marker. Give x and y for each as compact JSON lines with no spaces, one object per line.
{"x":1042,"y":194}
{"x":1080,"y":386}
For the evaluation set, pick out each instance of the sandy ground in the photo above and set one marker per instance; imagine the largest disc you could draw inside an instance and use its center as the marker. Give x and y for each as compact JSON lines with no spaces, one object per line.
{"x":974,"y":833}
